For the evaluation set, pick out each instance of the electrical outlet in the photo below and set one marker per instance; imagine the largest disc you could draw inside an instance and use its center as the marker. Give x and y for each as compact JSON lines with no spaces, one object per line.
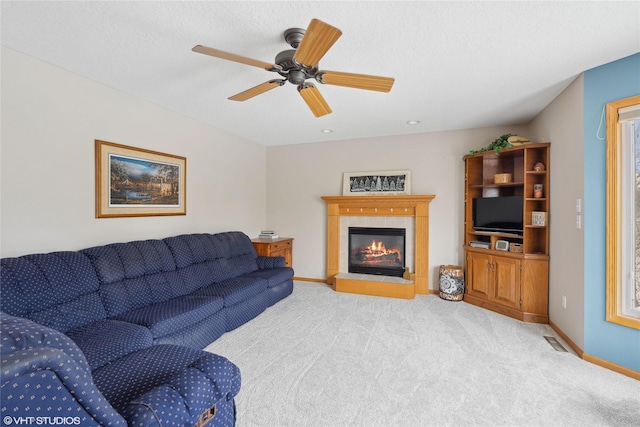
{"x":578,"y":222}
{"x":578,"y":205}
{"x":564,"y":301}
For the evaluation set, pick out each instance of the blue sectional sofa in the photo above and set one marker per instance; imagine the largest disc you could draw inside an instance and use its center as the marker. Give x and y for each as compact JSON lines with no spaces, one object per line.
{"x":116,"y":332}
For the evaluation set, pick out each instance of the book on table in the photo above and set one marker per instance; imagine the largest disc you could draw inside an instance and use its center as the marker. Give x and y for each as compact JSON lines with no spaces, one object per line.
{"x":267,"y":234}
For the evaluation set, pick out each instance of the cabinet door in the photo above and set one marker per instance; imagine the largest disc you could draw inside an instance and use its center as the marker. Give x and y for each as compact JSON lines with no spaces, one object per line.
{"x":479,"y":275}
{"x":285,"y":252}
{"x":506,"y":288}
{"x":283,"y":249}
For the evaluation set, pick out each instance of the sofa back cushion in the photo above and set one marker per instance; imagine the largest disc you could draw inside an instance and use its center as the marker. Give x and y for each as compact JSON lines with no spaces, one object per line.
{"x":242,"y":254}
{"x":204,"y":259}
{"x":58,"y":290}
{"x":199,"y":260}
{"x":135,"y":274}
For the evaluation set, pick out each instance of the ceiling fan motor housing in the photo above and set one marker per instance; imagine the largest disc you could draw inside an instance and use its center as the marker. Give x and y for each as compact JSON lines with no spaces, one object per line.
{"x":293,"y":36}
{"x":291,"y":70}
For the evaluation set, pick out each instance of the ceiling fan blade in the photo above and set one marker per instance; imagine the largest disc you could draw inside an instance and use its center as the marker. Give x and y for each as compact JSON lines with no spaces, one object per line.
{"x":233,"y":57}
{"x":314,"y":99}
{"x":317,"y":40}
{"x":257,"y":90}
{"x":358,"y":81}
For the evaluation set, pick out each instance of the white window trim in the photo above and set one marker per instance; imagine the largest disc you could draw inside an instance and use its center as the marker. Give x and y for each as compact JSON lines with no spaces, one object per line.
{"x":628,"y":253}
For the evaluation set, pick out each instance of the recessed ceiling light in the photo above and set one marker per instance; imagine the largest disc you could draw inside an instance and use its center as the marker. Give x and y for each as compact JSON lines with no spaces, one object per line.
{"x":413,"y":122}
{"x":326,"y":131}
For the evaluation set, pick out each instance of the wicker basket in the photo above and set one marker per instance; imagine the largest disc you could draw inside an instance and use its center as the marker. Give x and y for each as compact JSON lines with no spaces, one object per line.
{"x":502,"y":178}
{"x":515,"y":247}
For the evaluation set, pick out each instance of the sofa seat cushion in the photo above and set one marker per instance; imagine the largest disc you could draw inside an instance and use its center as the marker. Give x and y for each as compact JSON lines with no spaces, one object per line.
{"x":107,"y":340}
{"x":171,"y":316}
{"x":163,"y":365}
{"x":236,"y":290}
{"x":275,"y":276}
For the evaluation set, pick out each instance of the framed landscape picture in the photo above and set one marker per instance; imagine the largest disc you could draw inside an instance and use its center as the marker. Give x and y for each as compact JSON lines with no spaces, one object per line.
{"x":393,"y":182}
{"x":137,"y":182}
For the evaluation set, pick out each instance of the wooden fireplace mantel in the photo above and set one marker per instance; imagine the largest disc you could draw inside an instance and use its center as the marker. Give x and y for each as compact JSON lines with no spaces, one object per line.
{"x":416,"y":206}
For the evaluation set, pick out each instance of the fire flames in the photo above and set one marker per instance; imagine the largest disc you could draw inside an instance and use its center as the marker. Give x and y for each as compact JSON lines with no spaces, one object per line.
{"x":378,"y":249}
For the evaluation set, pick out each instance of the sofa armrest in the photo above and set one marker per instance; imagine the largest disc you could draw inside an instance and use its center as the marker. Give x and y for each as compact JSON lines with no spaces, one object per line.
{"x":270,"y":262}
{"x":204,"y":392}
{"x":19,"y":333}
{"x":35,"y":382}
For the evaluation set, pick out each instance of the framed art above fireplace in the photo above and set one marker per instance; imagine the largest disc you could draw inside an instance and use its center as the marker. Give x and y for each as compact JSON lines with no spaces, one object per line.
{"x":388,"y":183}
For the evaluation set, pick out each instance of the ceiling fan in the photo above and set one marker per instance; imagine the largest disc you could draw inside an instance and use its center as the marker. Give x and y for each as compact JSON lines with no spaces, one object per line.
{"x":301,"y":63}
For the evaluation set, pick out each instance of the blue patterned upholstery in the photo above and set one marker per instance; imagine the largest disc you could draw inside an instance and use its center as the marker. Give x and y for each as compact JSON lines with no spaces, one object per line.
{"x":171,"y":316}
{"x":219,"y":256}
{"x":200,"y":334}
{"x":279,"y":292}
{"x":151,"y":283}
{"x":19,"y":333}
{"x":58,"y":290}
{"x":244,"y":298}
{"x":279,"y":278}
{"x":239,"y":314}
{"x":133,"y":318}
{"x":270,"y":262}
{"x":236,"y":290}
{"x":171,"y":382}
{"x":274,"y":277}
{"x":45,"y":374}
{"x":141,"y":283}
{"x":107,"y":340}
{"x":134,"y":275}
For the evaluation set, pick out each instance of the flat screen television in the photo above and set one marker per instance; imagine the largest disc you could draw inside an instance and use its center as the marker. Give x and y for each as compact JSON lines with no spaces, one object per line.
{"x":498,"y":214}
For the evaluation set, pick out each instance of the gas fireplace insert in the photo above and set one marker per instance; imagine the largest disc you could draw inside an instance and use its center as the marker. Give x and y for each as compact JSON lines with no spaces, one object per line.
{"x":374,"y":250}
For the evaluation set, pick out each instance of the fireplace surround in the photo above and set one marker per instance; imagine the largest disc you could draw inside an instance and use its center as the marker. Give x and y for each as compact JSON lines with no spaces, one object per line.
{"x":414,"y":206}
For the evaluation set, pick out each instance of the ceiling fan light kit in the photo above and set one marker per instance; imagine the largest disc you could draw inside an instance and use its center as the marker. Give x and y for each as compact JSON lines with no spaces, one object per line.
{"x":300,"y":64}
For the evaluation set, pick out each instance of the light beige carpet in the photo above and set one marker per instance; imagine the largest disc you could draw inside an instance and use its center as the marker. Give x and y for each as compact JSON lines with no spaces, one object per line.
{"x":322,"y":358}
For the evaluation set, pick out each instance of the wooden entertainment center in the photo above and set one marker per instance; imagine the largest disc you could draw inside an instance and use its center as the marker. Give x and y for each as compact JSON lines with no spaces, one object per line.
{"x":512,"y":281}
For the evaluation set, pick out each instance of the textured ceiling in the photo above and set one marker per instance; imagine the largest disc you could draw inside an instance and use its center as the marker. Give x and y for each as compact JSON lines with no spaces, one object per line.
{"x":457,"y":64}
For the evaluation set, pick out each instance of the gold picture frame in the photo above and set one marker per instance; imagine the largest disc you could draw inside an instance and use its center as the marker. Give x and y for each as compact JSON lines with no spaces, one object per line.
{"x":133,"y":182}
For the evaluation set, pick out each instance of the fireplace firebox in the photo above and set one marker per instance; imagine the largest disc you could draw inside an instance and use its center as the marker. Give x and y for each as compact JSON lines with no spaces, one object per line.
{"x":374,"y":250}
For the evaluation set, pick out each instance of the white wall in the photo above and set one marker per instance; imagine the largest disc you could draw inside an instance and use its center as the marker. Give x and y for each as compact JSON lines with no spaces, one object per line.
{"x":561,"y":122}
{"x":298,"y":175}
{"x":50,"y":119}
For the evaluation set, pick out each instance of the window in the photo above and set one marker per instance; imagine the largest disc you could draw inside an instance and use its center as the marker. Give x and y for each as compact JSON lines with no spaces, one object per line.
{"x":623,"y":212}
